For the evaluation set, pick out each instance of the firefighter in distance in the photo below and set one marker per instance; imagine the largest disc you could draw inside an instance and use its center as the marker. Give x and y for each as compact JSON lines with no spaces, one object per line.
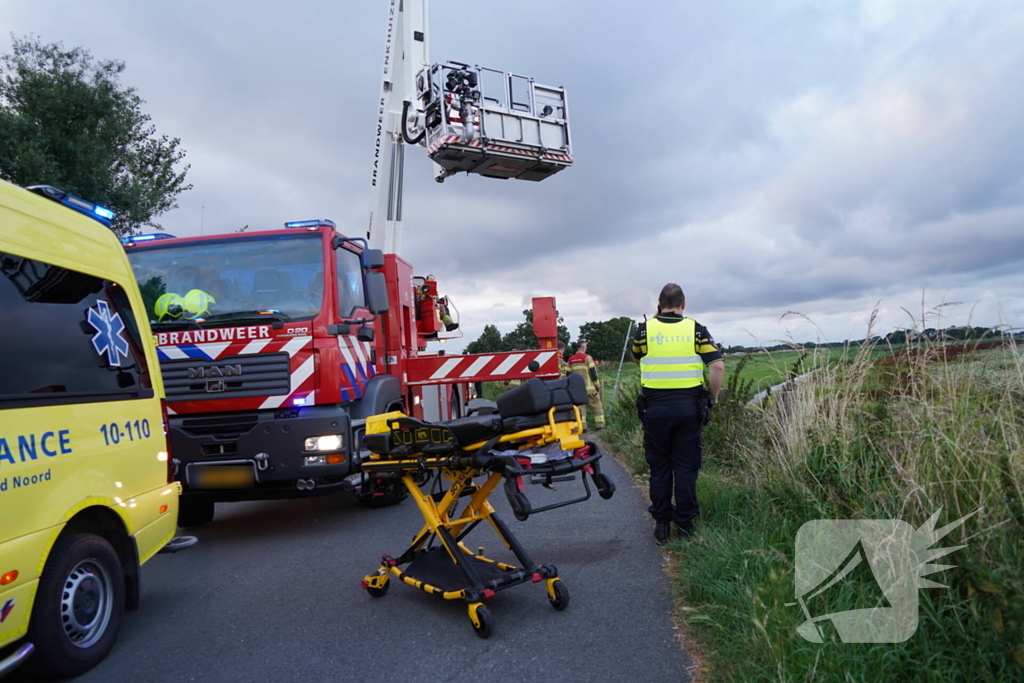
{"x":582,"y":364}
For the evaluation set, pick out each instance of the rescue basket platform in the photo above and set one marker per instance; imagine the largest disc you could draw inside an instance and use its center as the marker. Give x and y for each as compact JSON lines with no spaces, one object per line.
{"x":534,"y":436}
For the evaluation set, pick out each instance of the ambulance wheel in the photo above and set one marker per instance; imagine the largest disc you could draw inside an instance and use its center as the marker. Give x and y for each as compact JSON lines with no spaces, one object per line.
{"x":378,"y":592}
{"x":78,"y":607}
{"x":486,"y":627}
{"x":194,"y":512}
{"x":561,"y":599}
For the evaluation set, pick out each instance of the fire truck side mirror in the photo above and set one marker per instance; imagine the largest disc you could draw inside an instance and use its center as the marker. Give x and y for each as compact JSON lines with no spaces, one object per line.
{"x":373,"y":259}
{"x":376,"y":293}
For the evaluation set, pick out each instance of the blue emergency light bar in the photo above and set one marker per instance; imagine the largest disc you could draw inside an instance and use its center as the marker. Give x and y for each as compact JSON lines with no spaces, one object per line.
{"x":315,"y":223}
{"x":94,"y":211}
{"x":134,"y":239}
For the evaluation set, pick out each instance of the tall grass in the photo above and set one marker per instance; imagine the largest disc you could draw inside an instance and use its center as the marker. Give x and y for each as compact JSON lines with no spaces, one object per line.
{"x":862,"y":437}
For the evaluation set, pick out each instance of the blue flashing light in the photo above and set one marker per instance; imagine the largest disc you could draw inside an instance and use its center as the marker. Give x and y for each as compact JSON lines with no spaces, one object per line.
{"x":134,"y":239}
{"x":299,"y":401}
{"x":315,"y":223}
{"x":95,"y":211}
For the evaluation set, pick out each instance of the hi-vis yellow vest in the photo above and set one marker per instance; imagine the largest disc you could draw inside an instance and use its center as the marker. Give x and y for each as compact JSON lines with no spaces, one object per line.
{"x":672,"y":361}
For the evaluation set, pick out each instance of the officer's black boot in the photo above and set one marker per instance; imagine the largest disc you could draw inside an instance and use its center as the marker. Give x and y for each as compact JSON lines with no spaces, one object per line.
{"x":662,"y":532}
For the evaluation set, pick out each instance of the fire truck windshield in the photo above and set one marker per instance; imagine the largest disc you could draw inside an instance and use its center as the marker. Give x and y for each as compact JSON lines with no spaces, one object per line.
{"x":225,"y":279}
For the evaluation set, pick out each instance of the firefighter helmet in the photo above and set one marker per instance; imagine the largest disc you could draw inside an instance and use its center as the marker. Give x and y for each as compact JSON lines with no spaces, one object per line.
{"x":197,"y":303}
{"x":169,"y":305}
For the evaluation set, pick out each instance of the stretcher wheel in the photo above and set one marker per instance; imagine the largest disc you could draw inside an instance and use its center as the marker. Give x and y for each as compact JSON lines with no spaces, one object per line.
{"x":521,"y":507}
{"x":378,"y":592}
{"x":605,"y":486}
{"x":561,"y":599}
{"x":486,"y":627}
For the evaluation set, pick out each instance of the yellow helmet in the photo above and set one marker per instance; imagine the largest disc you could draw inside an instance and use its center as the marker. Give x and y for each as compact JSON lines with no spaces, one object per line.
{"x":197,"y":303}
{"x":169,"y":305}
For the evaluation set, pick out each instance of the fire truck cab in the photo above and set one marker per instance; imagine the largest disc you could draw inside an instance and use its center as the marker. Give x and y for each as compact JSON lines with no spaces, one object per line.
{"x":276,"y":346}
{"x":265,"y":342}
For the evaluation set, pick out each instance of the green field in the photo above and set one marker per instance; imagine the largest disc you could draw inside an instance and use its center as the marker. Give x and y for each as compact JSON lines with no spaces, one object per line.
{"x":763,"y":369}
{"x":867,"y":436}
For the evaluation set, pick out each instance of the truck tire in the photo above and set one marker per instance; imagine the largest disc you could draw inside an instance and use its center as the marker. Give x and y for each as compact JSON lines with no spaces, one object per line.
{"x":78,"y":607}
{"x":194,"y":512}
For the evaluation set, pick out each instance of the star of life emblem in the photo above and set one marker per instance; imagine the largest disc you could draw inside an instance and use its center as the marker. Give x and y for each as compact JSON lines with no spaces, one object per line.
{"x":109,"y":338}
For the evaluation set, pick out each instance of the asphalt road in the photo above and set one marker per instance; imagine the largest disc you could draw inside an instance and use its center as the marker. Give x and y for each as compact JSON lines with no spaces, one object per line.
{"x":271,"y":593}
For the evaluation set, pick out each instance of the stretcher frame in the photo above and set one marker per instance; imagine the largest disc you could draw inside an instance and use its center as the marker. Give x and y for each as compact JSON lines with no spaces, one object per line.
{"x":461,"y":466}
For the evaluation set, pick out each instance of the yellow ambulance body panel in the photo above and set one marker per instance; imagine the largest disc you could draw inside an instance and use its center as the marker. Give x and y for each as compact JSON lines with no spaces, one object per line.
{"x":83,"y":451}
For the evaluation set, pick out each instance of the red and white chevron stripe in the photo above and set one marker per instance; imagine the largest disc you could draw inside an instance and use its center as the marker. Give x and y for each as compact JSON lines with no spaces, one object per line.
{"x":300,"y":359}
{"x":480,"y":367}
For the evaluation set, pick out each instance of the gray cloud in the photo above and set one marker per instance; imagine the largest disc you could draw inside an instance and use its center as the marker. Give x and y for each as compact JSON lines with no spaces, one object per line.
{"x":767,"y":156}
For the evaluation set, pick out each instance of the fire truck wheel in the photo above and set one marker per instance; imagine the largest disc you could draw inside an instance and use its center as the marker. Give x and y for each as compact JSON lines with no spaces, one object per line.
{"x":194,"y":513}
{"x":78,"y":607}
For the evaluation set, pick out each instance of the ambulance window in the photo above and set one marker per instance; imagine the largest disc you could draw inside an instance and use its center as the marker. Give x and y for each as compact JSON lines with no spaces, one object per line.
{"x":350,"y":283}
{"x":69,"y":337}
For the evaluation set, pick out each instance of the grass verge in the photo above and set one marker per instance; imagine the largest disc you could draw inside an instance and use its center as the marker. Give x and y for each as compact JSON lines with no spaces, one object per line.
{"x":871,"y":435}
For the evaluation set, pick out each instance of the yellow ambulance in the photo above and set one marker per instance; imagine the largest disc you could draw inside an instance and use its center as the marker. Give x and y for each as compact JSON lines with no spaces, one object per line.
{"x":86,"y":491}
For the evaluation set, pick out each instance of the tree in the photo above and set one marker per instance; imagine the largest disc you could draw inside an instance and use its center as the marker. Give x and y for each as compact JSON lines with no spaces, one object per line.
{"x":66,"y":121}
{"x":605,"y":339}
{"x":519,"y":339}
{"x":488,"y":342}
{"x":522,"y":337}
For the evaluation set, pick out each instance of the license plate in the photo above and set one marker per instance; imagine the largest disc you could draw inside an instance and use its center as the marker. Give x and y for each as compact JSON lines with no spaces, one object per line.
{"x":222,"y":477}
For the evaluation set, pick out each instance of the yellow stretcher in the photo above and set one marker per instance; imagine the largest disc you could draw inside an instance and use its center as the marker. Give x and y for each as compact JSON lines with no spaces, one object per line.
{"x":469,"y":458}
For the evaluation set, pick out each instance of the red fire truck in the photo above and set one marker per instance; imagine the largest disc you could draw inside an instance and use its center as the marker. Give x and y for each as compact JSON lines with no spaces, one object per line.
{"x":276,"y":346}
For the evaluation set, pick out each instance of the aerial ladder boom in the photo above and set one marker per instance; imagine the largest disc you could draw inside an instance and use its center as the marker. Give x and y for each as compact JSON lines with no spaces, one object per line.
{"x":405,"y":53}
{"x":468,"y":118}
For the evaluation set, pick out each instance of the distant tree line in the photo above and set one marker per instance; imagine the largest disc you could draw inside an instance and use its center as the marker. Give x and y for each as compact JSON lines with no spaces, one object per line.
{"x":519,"y":339}
{"x":605,"y":338}
{"x":931,"y":334}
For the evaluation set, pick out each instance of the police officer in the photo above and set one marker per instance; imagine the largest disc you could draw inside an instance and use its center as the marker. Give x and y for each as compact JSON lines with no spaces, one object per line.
{"x":673,"y":351}
{"x":582,"y":364}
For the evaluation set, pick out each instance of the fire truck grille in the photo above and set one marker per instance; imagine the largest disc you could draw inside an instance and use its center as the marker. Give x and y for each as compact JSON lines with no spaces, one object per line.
{"x":226,"y":425}
{"x":258,"y":374}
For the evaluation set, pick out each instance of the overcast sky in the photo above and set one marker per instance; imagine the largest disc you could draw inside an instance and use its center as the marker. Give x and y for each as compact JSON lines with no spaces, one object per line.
{"x":769,"y":156}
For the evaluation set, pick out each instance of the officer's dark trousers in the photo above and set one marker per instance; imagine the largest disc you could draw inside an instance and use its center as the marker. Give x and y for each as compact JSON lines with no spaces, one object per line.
{"x":672,"y":446}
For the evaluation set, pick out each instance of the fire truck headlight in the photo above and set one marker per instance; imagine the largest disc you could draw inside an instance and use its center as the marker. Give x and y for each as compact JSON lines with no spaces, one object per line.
{"x":330,"y":442}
